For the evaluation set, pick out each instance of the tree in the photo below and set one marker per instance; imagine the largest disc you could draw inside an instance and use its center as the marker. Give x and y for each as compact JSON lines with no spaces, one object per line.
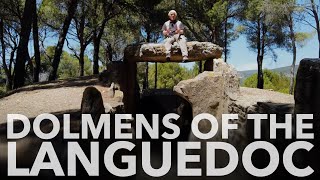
{"x":36,"y":43}
{"x":68,"y":67}
{"x":151,"y":22}
{"x":22,"y":51}
{"x":71,"y":8}
{"x":152,"y":15}
{"x":83,"y":32}
{"x":288,"y":13}
{"x":109,"y":9}
{"x":262,"y":36}
{"x":312,"y":9}
{"x":120,"y":31}
{"x":9,"y":37}
{"x":3,"y":48}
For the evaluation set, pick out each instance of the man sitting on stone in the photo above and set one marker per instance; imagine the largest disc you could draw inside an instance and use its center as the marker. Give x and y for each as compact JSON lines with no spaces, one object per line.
{"x":173,"y":31}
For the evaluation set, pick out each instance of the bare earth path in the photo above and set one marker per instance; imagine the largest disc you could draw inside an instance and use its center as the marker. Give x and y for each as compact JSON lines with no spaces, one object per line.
{"x":52,"y":97}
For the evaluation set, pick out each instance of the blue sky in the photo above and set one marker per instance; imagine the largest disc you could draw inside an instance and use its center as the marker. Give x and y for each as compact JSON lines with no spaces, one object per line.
{"x":243,"y":59}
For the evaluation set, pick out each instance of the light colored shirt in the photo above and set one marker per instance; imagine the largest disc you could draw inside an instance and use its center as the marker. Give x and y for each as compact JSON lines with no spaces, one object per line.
{"x":172,"y":26}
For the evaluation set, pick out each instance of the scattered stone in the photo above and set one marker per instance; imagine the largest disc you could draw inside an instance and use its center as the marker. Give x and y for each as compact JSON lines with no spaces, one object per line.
{"x":92,"y":103}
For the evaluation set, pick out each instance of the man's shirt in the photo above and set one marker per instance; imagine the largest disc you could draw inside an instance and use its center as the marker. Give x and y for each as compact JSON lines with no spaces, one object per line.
{"x":172,"y":26}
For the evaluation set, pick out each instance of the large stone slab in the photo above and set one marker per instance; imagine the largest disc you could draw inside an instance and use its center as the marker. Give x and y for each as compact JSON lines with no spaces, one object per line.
{"x":155,"y":52}
{"x":307,"y":101}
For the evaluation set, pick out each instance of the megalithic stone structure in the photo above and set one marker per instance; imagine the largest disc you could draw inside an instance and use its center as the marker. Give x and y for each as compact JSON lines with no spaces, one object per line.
{"x":156,"y":52}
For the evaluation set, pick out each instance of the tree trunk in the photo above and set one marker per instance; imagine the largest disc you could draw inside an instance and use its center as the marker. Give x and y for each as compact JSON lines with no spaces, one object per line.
{"x":146,"y":80}
{"x":96,"y":46}
{"x":109,"y":53}
{"x":259,"y":55}
{"x":81,"y":38}
{"x":294,"y":53}
{"x":226,"y":34}
{"x":225,"y":40}
{"x":263,"y":46}
{"x":200,"y":67}
{"x":72,"y":6}
{"x":156,"y":76}
{"x":10,"y":76}
{"x":81,"y":61}
{"x":22,"y":52}
{"x":216,"y":35}
{"x":3,"y":47}
{"x":146,"y":75}
{"x":316,"y":18}
{"x":4,"y":63}
{"x":260,"y":72}
{"x":36,"y":44}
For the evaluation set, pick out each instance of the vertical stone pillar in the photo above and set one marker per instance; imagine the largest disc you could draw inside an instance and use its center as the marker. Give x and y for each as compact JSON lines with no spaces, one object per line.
{"x":307,"y":89}
{"x":130,"y":86}
{"x":208,"y":65}
{"x":307,"y":101}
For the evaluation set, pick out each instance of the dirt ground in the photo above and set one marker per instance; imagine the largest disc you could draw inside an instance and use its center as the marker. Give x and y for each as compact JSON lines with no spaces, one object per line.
{"x":60,"y":96}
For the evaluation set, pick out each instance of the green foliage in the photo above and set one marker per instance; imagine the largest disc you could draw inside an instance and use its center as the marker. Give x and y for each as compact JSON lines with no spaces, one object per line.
{"x":272,"y":80}
{"x":141,"y":67}
{"x":69,"y":65}
{"x":303,"y":37}
{"x":217,"y":13}
{"x":2,"y":85}
{"x":120,"y":31}
{"x":169,"y":74}
{"x":195,"y":69}
{"x":2,"y":90}
{"x":52,"y":12}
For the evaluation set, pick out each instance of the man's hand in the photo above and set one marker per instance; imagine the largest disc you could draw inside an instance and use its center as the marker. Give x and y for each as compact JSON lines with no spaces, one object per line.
{"x":166,"y":32}
{"x":179,"y":31}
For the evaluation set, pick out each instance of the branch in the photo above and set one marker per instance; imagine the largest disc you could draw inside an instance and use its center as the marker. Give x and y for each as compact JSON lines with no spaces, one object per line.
{"x":308,"y":23}
{"x":72,"y":49}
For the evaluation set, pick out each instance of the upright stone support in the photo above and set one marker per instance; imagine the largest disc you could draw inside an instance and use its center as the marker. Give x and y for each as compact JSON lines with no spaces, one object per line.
{"x":130,"y":86}
{"x":208,"y":65}
{"x":307,"y":89}
{"x":307,"y":101}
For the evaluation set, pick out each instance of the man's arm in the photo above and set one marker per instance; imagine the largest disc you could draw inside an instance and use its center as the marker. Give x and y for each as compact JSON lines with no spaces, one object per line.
{"x":179,"y":31}
{"x":165,"y":30}
{"x":180,"y":28}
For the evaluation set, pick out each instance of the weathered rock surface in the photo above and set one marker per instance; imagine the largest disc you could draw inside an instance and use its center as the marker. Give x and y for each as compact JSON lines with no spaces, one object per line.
{"x":307,"y":101}
{"x":211,"y":92}
{"x":258,"y":101}
{"x":307,"y":89}
{"x":92,"y":103}
{"x":218,"y":93}
{"x":122,"y":76}
{"x":153,"y":52}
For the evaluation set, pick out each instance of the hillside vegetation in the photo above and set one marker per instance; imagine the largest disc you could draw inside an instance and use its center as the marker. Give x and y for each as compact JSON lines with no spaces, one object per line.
{"x":272,"y":80}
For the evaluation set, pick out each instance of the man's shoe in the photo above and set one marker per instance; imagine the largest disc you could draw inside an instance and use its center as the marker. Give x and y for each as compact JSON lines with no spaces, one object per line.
{"x":185,"y":58}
